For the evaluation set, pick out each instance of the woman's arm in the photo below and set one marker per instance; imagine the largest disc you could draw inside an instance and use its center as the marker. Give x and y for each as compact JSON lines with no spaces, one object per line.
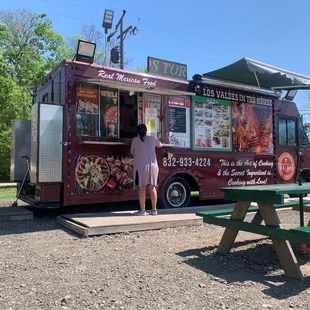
{"x":132,"y":148}
{"x":158,"y":143}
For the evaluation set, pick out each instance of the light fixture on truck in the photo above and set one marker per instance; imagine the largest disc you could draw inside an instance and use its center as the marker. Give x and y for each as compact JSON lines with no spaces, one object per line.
{"x":85,"y":51}
{"x":290,"y":95}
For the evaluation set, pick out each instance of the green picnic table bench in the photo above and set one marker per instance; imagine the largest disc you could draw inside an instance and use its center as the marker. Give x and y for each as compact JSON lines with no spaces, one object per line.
{"x":269,"y":198}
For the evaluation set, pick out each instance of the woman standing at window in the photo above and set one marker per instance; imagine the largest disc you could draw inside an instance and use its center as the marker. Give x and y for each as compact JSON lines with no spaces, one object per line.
{"x":145,"y":167}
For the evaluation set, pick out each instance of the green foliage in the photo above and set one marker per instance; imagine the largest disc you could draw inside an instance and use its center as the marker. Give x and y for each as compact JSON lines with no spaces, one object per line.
{"x":29,"y":48}
{"x":5,"y":151}
{"x":140,"y":69}
{"x":30,"y":45}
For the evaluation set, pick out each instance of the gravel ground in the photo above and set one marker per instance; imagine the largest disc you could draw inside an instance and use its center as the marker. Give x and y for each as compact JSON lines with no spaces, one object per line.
{"x":8,"y":202}
{"x":43,"y":266}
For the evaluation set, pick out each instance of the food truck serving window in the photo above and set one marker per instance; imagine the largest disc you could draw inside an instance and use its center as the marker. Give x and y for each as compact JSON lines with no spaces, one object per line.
{"x":109,"y":120}
{"x":113,"y":113}
{"x":179,"y":121}
{"x":87,"y":110}
{"x":97,"y":111}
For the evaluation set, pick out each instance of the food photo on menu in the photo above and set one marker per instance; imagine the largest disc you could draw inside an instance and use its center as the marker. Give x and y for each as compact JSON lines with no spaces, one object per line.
{"x":178,"y":141}
{"x":212,"y":125}
{"x":87,"y":107}
{"x":112,"y":130}
{"x":252,"y":128}
{"x":109,"y":113}
{"x":86,"y":124}
{"x":94,"y":173}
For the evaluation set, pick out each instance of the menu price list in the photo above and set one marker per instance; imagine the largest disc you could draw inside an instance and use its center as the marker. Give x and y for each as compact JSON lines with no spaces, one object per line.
{"x":212,"y":121}
{"x":177,"y":120}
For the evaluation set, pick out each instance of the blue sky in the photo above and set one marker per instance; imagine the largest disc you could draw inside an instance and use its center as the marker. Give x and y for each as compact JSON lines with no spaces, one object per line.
{"x":204,"y":34}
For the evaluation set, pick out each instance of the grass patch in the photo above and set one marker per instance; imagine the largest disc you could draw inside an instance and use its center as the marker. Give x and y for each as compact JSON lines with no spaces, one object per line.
{"x":8,"y":193}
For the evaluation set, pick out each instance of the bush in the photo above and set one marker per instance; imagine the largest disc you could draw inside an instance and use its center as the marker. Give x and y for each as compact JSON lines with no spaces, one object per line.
{"x":5,"y":152}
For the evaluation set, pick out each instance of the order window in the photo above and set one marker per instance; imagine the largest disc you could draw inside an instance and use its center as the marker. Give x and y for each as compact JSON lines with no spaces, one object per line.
{"x":106,"y":112}
{"x":87,"y":110}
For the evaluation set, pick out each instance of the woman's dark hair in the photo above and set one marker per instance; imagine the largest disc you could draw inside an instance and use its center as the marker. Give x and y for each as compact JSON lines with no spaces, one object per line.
{"x":141,"y":130}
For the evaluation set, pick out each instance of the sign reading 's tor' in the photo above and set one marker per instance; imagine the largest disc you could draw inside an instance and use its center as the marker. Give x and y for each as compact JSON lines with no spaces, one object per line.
{"x":166,"y":68}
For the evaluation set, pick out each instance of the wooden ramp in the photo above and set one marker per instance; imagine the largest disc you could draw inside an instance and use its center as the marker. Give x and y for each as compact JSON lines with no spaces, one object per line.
{"x":119,"y":222}
{"x":92,"y":224}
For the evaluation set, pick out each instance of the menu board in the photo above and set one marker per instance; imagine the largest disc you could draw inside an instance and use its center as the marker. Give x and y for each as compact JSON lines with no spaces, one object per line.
{"x":87,"y":110}
{"x":179,"y":121}
{"x":151,"y":121}
{"x":109,"y":113}
{"x":212,"y":124}
{"x":152,"y":114}
{"x":87,"y":100}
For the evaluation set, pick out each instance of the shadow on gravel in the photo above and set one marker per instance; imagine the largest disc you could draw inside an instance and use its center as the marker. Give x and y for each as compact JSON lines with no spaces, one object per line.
{"x":33,"y":226}
{"x":28,"y":226}
{"x":256,"y":262}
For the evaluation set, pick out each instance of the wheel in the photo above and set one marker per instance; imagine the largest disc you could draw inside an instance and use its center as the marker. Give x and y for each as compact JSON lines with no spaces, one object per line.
{"x":177,"y":194}
{"x":303,"y":180}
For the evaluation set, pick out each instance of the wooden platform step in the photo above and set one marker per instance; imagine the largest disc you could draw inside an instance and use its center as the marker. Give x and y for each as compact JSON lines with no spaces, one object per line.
{"x":100,"y":224}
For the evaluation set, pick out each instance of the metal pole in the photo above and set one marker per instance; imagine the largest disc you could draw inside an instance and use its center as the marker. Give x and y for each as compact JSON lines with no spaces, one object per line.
{"x":301,"y":210}
{"x":122,"y":40}
{"x":301,"y":205}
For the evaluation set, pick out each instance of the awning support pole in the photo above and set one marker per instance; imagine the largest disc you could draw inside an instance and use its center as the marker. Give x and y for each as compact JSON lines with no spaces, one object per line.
{"x":256,"y":79}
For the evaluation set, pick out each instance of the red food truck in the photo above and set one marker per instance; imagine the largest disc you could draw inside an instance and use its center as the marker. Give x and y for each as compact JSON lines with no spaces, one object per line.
{"x":229,"y":127}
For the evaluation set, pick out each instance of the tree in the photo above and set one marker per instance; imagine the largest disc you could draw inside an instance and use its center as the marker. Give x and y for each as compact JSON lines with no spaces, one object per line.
{"x":29,"y":48}
{"x":140,"y":69}
{"x":90,"y":33}
{"x":30,"y":45}
{"x":14,"y":103}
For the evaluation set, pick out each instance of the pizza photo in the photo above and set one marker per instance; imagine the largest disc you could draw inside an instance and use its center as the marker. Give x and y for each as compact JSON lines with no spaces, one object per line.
{"x":92,"y":173}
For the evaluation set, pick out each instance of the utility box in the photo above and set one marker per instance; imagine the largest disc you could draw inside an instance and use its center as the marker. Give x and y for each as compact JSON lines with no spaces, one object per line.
{"x":20,"y":147}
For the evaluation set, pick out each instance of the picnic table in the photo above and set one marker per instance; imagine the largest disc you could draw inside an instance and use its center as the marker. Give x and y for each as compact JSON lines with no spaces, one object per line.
{"x":269,"y":198}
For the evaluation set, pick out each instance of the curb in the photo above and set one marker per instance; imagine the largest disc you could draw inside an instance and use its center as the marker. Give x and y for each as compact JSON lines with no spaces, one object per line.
{"x":8,"y":185}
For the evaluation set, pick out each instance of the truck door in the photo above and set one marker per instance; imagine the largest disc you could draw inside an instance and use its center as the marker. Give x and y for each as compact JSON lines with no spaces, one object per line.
{"x":286,"y":149}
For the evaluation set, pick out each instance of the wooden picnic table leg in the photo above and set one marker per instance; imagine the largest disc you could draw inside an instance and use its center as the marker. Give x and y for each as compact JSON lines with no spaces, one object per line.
{"x":283,"y":247}
{"x":257,"y":219}
{"x":230,"y":235}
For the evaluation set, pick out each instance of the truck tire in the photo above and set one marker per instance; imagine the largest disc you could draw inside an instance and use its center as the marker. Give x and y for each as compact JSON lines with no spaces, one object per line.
{"x":176,"y":194}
